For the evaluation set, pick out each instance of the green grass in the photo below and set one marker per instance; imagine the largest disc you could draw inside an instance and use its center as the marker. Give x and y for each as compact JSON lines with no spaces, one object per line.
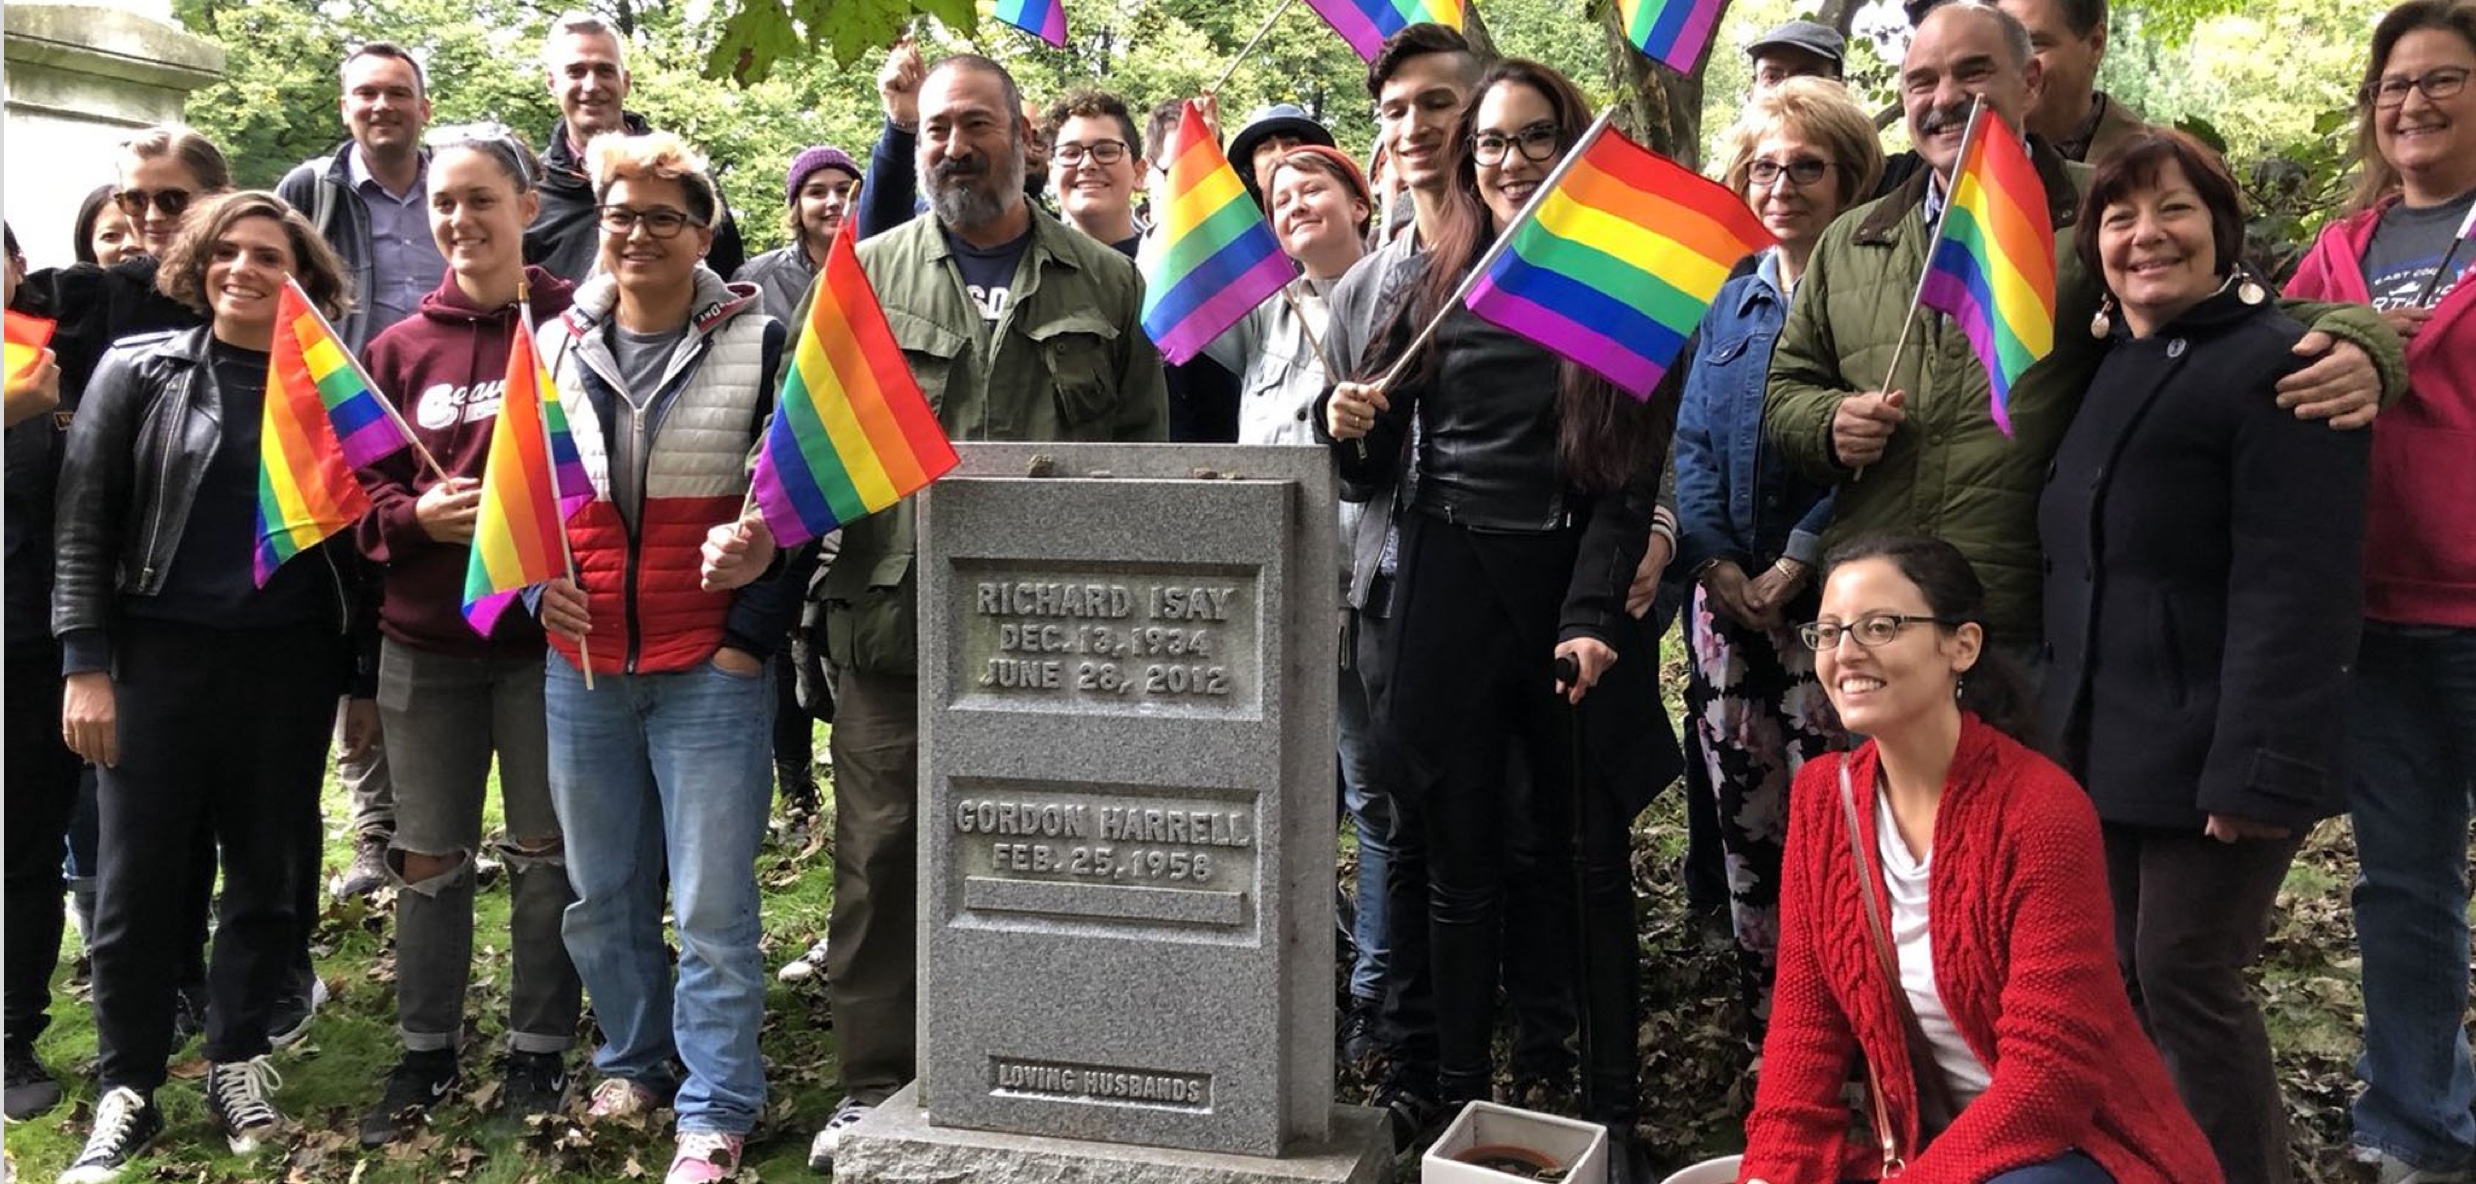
{"x":1695,"y":1083}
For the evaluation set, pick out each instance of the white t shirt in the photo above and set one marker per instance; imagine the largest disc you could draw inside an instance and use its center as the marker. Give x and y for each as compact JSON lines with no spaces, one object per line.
{"x":1905,"y":878}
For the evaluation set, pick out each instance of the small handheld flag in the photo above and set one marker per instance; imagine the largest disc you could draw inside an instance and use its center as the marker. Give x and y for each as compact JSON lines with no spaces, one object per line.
{"x":1045,"y":19}
{"x":533,"y":482}
{"x":1672,"y":32}
{"x":1366,"y":23}
{"x":1616,"y":258}
{"x":27,"y":336}
{"x":1992,"y":264}
{"x":852,"y":433}
{"x":1217,"y":259}
{"x":322,"y":420}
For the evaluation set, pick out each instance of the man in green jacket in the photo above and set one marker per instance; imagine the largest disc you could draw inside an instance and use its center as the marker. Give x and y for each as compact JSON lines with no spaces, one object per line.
{"x":1917,"y":452}
{"x":1017,"y":328}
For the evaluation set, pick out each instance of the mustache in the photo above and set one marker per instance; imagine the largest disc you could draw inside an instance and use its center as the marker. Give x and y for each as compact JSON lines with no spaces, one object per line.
{"x":954,"y":168}
{"x":1937,"y":120}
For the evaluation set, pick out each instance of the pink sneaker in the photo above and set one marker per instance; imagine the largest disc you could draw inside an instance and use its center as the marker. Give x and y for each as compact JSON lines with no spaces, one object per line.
{"x":704,"y":1157}
{"x":618,"y":1097}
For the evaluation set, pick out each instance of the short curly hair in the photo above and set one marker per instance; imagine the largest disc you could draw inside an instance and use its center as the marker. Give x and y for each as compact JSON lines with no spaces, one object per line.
{"x":182,"y":275}
{"x":657,"y":156}
{"x":1093,"y":104}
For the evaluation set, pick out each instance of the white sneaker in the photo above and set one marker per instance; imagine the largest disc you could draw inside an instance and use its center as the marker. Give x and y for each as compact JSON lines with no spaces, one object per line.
{"x":806,"y":966}
{"x":125,"y":1122}
{"x":830,"y":1140}
{"x":2393,"y":1171}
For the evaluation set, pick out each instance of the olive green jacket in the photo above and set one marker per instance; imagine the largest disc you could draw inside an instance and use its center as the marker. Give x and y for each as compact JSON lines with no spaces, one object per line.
{"x":1067,"y":360}
{"x":1949,"y":471}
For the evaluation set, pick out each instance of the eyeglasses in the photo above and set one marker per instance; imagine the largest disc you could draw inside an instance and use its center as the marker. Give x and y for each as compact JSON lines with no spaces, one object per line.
{"x":1870,"y":630}
{"x":1538,"y":143}
{"x":172,"y":202}
{"x":2437,"y":84}
{"x":660,"y":223}
{"x":1071,"y":153}
{"x":1801,"y":172}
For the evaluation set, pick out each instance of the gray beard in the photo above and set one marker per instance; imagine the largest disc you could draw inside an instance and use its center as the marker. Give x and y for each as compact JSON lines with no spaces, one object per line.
{"x":961,"y":204}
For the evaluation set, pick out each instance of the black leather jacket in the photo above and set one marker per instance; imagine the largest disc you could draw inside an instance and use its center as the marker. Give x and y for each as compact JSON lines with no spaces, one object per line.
{"x":137,"y":452}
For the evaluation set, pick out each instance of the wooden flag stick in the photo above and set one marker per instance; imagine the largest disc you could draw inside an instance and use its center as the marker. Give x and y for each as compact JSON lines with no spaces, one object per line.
{"x":541,"y":414}
{"x":1249,"y":47}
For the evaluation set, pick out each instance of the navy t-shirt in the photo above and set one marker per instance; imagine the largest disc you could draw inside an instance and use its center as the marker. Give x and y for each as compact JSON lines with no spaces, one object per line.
{"x":988,"y":272}
{"x":2407,"y":250}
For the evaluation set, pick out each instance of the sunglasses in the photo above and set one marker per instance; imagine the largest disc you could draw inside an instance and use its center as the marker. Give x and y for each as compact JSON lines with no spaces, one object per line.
{"x":133,"y":202}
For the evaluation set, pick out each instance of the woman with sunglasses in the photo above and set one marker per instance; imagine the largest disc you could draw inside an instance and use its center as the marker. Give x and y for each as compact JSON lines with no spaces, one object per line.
{"x":2412,"y":705}
{"x":663,"y":762}
{"x":448,"y":698}
{"x":205,"y":696}
{"x":1939,"y":926}
{"x":1530,"y":505}
{"x":1749,"y":528}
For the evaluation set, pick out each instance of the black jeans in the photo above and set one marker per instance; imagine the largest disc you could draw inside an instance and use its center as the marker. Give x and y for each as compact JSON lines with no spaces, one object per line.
{"x":42,"y":777}
{"x":1470,"y":697}
{"x":226,"y":730}
{"x":2191,"y":917}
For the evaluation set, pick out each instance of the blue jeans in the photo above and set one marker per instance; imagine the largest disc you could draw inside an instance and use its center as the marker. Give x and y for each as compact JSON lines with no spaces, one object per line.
{"x":2412,"y":739}
{"x":651,"y":771}
{"x":1371,"y":810}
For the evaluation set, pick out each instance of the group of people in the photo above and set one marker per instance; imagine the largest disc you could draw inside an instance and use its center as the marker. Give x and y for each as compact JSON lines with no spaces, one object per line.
{"x":2210,"y":585}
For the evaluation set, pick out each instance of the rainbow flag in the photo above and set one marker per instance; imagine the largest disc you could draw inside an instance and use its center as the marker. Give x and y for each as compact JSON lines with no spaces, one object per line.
{"x":27,"y":335}
{"x":1366,"y":23}
{"x":533,"y":482}
{"x":1992,"y":265}
{"x":1614,"y":264}
{"x":322,"y":421}
{"x":1671,"y":32}
{"x":1217,"y":259}
{"x":852,"y":433}
{"x":1045,"y":19}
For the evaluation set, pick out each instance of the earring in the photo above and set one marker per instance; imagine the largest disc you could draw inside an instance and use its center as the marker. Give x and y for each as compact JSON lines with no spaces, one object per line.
{"x":1960,"y":686}
{"x":2250,"y":292}
{"x":2103,"y":324}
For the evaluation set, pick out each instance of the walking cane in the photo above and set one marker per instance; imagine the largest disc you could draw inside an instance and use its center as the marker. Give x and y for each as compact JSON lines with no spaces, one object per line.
{"x":1569,"y":672}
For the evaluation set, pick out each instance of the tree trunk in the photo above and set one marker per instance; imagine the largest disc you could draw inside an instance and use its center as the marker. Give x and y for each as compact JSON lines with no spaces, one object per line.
{"x":1839,"y":14}
{"x":1662,"y":108}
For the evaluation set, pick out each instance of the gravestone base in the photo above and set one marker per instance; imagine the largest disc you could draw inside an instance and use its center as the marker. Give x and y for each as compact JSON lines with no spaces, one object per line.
{"x":896,"y":1145}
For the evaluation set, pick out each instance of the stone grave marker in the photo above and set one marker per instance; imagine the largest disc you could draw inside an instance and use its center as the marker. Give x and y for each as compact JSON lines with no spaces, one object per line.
{"x":1127,"y":822}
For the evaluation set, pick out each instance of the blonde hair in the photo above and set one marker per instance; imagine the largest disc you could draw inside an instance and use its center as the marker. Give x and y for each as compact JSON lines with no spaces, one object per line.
{"x":1819,"y":110}
{"x":186,"y":145}
{"x":656,"y":156}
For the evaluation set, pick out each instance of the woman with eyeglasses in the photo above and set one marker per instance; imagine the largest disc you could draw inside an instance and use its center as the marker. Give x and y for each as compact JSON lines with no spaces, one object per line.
{"x":663,"y":762}
{"x":449,"y":699}
{"x":2202,"y":601}
{"x":205,"y":696}
{"x":1529,"y":487}
{"x":1939,"y":927}
{"x":2412,"y":707}
{"x":1749,"y":528}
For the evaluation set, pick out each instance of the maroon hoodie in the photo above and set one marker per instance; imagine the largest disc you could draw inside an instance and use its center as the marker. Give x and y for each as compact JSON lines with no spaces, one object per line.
{"x":444,"y":369}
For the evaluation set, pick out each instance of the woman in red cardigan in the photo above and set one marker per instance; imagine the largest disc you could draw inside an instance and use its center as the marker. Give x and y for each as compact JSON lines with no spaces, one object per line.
{"x":1989,"y":924}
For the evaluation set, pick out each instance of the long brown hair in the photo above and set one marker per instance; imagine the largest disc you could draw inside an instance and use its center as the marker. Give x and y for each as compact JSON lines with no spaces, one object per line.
{"x":2375,"y":179}
{"x":1604,"y":437}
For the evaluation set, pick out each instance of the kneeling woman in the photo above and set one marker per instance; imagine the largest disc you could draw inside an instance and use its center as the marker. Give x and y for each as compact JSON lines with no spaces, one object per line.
{"x":1939,"y":923}
{"x":665,"y":762}
{"x":205,"y":699}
